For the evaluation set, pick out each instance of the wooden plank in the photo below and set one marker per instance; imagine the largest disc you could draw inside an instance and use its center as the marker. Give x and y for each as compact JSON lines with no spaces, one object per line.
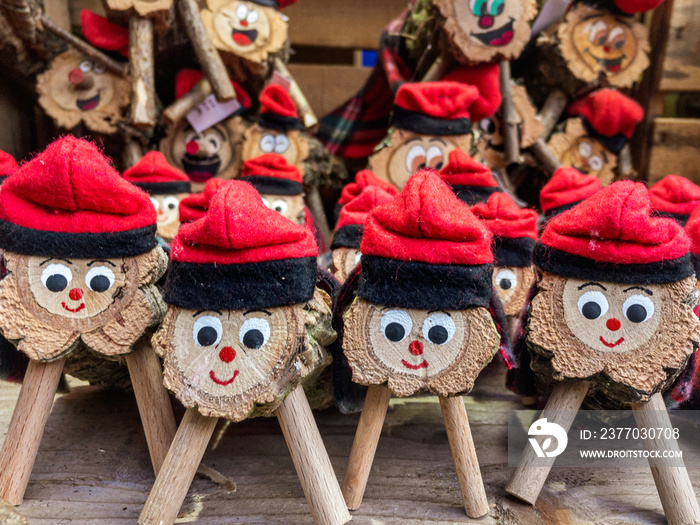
{"x":16,"y":132}
{"x":675,"y":149}
{"x":682,"y":64}
{"x":339,"y":23}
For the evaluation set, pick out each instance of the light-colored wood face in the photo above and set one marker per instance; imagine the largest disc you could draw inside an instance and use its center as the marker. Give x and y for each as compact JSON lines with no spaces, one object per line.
{"x":512,"y":285}
{"x":595,"y":42}
{"x":291,"y":206}
{"x":142,"y":7}
{"x":292,"y":145}
{"x":168,"y":209}
{"x":344,"y":262}
{"x":412,"y":350}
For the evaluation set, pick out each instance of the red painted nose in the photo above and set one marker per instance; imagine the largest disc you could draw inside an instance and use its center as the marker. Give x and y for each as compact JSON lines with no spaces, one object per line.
{"x":613,"y":324}
{"x":244,"y":23}
{"x":76,"y":76}
{"x":192,"y":147}
{"x":606,"y":49}
{"x":76,"y":294}
{"x":227,"y":354}
{"x":416,"y":347}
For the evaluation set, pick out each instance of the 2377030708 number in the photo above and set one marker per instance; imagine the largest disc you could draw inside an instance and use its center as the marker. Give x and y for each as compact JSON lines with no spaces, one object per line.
{"x":638,"y":433}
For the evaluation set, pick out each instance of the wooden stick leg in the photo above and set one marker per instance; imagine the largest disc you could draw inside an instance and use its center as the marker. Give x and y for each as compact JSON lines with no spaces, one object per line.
{"x":459,"y":435}
{"x":153,"y":401}
{"x":512,"y":325}
{"x":364,"y":445}
{"x":311,"y":460}
{"x":26,"y":427}
{"x":549,"y":161}
{"x":313,"y":200}
{"x":670,"y":475}
{"x":509,"y":117}
{"x":178,"y":470}
{"x":527,"y":480}
{"x":308,"y":116}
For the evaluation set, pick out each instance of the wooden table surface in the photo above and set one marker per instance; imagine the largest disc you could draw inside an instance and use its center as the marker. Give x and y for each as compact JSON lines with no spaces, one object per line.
{"x":93,"y":467}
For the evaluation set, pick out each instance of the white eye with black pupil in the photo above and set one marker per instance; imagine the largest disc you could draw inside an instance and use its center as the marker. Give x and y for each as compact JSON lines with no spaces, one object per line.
{"x":253,"y":17}
{"x":99,"y":69}
{"x":266,"y":202}
{"x":268,"y":143}
{"x":56,"y":277}
{"x":281,"y":144}
{"x":241,"y":12}
{"x":170,"y":203}
{"x":439,"y":328}
{"x":85,"y":66}
{"x":99,"y":279}
{"x":155,"y":203}
{"x":254,"y":333}
{"x":506,"y":280}
{"x":592,"y":305}
{"x":396,"y":325}
{"x":207,"y":331}
{"x":595,"y":162}
{"x":280,"y":206}
{"x":638,"y":308}
{"x":584,"y":149}
{"x":357,"y":258}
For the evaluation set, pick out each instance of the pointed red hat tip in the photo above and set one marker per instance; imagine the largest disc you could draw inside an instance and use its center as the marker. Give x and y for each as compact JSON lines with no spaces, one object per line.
{"x":616,"y":225}
{"x":441,"y":100}
{"x":427,"y":223}
{"x":355,"y":212}
{"x":154,"y":168}
{"x":8,"y":164}
{"x":72,"y":187}
{"x":485,"y":78}
{"x":504,"y":219}
{"x":463,"y":170}
{"x":674,"y":194}
{"x":637,"y":6}
{"x":195,"y":206}
{"x":567,"y":186}
{"x":275,"y":100}
{"x":102,"y":33}
{"x":238,"y":229}
{"x":692,"y":228}
{"x":187,"y":78}
{"x":271,"y":165}
{"x":609,"y":112}
{"x":363,"y":179}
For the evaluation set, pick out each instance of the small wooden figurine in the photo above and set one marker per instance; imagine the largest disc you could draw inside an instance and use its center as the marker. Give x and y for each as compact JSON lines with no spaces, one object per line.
{"x":245,"y":326}
{"x":82,"y":260}
{"x":674,"y":197}
{"x":363,"y":179}
{"x":471,"y":181}
{"x":566,"y":189}
{"x":613,"y":321}
{"x":420,"y":321}
{"x":195,"y":205}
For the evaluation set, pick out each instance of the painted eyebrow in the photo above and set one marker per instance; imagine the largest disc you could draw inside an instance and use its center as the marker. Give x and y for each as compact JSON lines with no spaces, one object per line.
{"x":55,"y":258}
{"x":435,"y":139}
{"x":102,"y":261}
{"x":592,"y":284}
{"x":251,"y":311}
{"x":199,"y":312}
{"x":412,"y":140}
{"x":645,"y":290}
{"x":441,"y":311}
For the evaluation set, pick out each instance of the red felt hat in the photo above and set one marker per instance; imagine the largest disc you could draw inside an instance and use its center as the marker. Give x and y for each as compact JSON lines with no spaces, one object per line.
{"x":637,"y":6}
{"x":8,"y":164}
{"x":277,"y":109}
{"x":195,"y":206}
{"x":363,"y":179}
{"x":614,"y":236}
{"x":674,"y":197}
{"x":69,"y":201}
{"x":692,"y":228}
{"x":241,"y":254}
{"x":566,"y":189}
{"x":154,"y":175}
{"x":348,"y":230}
{"x":277,"y":4}
{"x":102,"y":33}
{"x":435,"y":108}
{"x":485,"y":78}
{"x":470,"y":180}
{"x":426,"y":250}
{"x":271,"y":175}
{"x":187,"y":78}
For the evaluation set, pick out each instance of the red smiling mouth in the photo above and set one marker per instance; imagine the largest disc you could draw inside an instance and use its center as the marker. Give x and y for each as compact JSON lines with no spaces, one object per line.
{"x":244,"y":37}
{"x":611,"y":345}
{"x":424,"y":364}
{"x":73,"y":310}
{"x":88,"y":103}
{"x":218,"y":381}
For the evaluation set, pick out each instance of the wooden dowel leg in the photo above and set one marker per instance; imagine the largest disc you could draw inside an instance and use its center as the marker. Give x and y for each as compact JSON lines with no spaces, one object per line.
{"x":182,"y":106}
{"x":512,"y":325}
{"x":509,"y":117}
{"x":153,"y":401}
{"x":459,"y":435}
{"x":438,"y":69}
{"x":308,"y":116}
{"x":141,"y":70}
{"x":549,"y":161}
{"x":527,"y":481}
{"x":364,"y":445}
{"x":670,"y":475}
{"x":551,"y":111}
{"x":311,"y":460}
{"x":178,"y":470}
{"x":26,"y":427}
{"x":313,"y":200}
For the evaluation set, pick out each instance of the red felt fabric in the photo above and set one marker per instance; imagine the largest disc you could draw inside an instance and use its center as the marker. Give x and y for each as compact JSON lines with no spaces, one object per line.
{"x":462,"y":170}
{"x":504,"y":219}
{"x":238,"y":228}
{"x":8,"y":164}
{"x":195,"y":206}
{"x":440,"y":100}
{"x":426,"y":222}
{"x":154,"y":168}
{"x":567,"y":185}
{"x":692,"y":228}
{"x":357,"y":210}
{"x":637,"y":6}
{"x":271,"y":165}
{"x":616,"y":225}
{"x":281,"y":4}
{"x":674,"y":194}
{"x":187,"y":78}
{"x":609,"y":112}
{"x":363,"y":179}
{"x":275,"y":100}
{"x":71,"y":187}
{"x":486,"y":79}
{"x":102,"y":33}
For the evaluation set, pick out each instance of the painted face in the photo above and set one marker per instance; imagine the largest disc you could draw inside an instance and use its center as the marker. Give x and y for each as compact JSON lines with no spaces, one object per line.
{"x":167,"y":207}
{"x":291,"y":206}
{"x":243,"y":26}
{"x":588,"y":156}
{"x":86,"y":86}
{"x":512,"y":285}
{"x":259,"y":141}
{"x":344,"y":262}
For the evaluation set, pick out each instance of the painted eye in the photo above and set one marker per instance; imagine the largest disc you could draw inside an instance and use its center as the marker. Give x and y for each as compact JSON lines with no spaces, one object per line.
{"x":439,"y":328}
{"x":254,"y":333}
{"x":99,"y":279}
{"x":433,"y":158}
{"x":477,"y":7}
{"x":207,"y":331}
{"x":396,"y":325}
{"x":241,"y":12}
{"x":638,"y":308}
{"x":266,"y":202}
{"x":595,"y":162}
{"x":99,"y":69}
{"x":357,"y":258}
{"x":495,"y":7}
{"x":253,"y":17}
{"x":155,"y":203}
{"x":56,"y":277}
{"x":592,"y":305}
{"x":617,"y":38}
{"x":85,"y":66}
{"x":584,"y":149}
{"x":268,"y":143}
{"x":170,"y":203}
{"x":487,"y":125}
{"x":598,"y":33}
{"x":281,"y":143}
{"x":415,"y":159}
{"x":280,"y":206}
{"x":506,"y":280}
{"x":214,"y":141}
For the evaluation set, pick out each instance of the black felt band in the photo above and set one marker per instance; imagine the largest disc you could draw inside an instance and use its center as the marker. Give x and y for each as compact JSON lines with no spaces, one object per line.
{"x":164,"y":188}
{"x":425,"y":125}
{"x":577,"y":267}
{"x":514,"y":253}
{"x":614,"y":143}
{"x":267,"y":284}
{"x":473,"y":194}
{"x":266,"y":3}
{"x":15,"y":238}
{"x":3,"y":178}
{"x":560,"y":209}
{"x":424,"y":286}
{"x":274,"y":185}
{"x":348,"y":237}
{"x":279,"y":122}
{"x":680,"y":218}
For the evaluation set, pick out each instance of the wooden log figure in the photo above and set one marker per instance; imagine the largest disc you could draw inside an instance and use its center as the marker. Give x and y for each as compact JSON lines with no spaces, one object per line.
{"x":592,"y":141}
{"x":566,"y":189}
{"x":674,"y":197}
{"x":612,"y":320}
{"x":363,"y":179}
{"x":166,"y":185}
{"x":246,"y":325}
{"x":82,"y":260}
{"x":420,"y":321}
{"x":470,"y":181}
